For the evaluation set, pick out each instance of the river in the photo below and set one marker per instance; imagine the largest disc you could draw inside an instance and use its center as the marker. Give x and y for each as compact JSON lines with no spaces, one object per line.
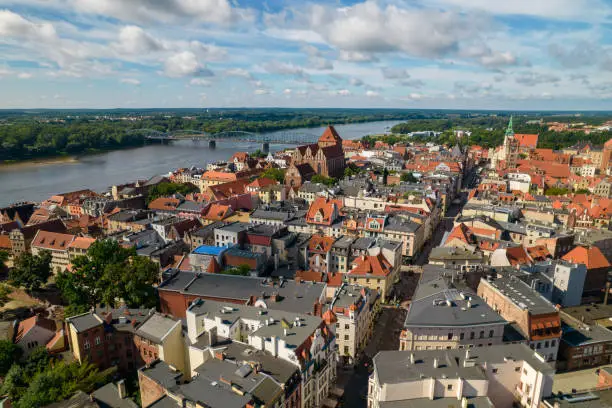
{"x":38,"y":181}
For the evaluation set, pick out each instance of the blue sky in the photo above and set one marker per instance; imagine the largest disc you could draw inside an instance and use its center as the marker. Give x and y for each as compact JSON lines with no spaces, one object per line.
{"x":468,"y":54}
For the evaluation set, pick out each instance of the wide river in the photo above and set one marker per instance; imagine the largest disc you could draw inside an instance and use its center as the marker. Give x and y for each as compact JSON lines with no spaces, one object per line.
{"x":38,"y":181}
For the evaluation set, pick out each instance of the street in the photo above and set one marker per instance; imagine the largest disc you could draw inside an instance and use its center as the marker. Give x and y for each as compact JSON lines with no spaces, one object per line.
{"x":388,"y":326}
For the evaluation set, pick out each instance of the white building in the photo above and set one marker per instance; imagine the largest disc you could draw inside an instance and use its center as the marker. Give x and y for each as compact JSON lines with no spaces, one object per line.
{"x":303,"y":340}
{"x":497,"y":376}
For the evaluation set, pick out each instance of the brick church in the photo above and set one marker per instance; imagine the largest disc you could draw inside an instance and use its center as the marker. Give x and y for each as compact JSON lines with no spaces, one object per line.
{"x":326,"y":157}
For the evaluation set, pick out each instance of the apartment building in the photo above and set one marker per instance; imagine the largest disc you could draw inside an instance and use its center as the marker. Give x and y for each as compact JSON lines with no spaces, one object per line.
{"x":353,"y":308}
{"x":501,"y":376}
{"x":57,"y":244}
{"x":447,"y":315}
{"x":161,"y":337}
{"x":305,"y":341}
{"x":535,"y":316}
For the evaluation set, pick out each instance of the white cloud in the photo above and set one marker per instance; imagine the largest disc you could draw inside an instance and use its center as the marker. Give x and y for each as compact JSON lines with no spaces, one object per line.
{"x":287,"y":91}
{"x":356,"y":56}
{"x":205,"y":11}
{"x":343,"y":92}
{"x":133,"y":40}
{"x":130,"y":81}
{"x":185,"y":64}
{"x":262,"y":92}
{"x":14,"y":25}
{"x":533,"y":79}
{"x":238,"y":72}
{"x":24,"y":75}
{"x":200,"y":82}
{"x":372,"y":94}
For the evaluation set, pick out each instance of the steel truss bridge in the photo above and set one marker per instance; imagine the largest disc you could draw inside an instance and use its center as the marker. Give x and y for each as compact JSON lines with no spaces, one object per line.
{"x":288,"y":137}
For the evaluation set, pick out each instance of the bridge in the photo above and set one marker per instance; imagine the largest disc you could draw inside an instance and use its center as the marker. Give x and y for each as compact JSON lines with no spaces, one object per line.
{"x":265,"y":139}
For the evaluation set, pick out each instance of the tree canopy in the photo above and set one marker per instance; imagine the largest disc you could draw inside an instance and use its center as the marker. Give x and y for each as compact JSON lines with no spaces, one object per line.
{"x":168,"y":189}
{"x":328,"y":181}
{"x":106,"y":274}
{"x":10,"y":353}
{"x":31,"y":272}
{"x":274,"y":174}
{"x":408,"y":177}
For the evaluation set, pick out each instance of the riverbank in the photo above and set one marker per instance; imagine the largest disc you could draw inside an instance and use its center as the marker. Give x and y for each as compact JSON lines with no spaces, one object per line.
{"x":38,"y":162}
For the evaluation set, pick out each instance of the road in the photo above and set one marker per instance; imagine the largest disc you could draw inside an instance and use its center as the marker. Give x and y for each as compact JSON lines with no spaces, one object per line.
{"x":389,"y":324}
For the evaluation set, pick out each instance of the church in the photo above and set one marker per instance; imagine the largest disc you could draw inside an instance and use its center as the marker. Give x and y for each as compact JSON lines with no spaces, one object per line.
{"x":326,"y":158}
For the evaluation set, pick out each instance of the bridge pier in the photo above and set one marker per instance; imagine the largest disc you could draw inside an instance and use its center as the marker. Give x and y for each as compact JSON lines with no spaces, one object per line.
{"x":212,"y":144}
{"x":265,"y":147}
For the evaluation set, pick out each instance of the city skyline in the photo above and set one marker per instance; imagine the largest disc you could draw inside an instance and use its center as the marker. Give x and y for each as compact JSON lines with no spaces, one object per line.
{"x":215,"y":53}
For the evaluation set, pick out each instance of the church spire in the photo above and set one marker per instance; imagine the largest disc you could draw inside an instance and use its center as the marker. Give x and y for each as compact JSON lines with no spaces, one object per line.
{"x":509,"y":130}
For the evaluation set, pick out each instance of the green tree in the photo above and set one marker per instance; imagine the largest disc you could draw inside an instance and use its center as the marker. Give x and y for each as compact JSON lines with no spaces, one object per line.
{"x":109,"y":272}
{"x":10,"y":353}
{"x":242,"y":270}
{"x":555,"y":191}
{"x":5,"y":291}
{"x":4,"y":257}
{"x":352,"y":170}
{"x":408,"y":178}
{"x":328,"y":181}
{"x":169,"y":189}
{"x":31,"y":272}
{"x":274,"y":174}
{"x":583,"y":191}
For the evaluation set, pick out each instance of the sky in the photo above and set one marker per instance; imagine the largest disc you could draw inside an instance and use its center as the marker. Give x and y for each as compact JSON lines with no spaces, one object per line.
{"x":459,"y":54}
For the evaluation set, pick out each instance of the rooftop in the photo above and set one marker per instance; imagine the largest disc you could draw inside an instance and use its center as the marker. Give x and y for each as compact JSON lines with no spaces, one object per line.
{"x":294,"y":296}
{"x":395,"y":367}
{"x":522,"y":295}
{"x":156,"y":327}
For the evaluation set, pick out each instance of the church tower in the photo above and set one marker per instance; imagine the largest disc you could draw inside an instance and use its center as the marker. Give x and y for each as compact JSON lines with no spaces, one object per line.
{"x":330,"y":138}
{"x":511,"y":147}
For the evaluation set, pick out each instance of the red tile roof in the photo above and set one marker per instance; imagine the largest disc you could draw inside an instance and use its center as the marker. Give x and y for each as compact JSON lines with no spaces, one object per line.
{"x":82,"y":242}
{"x":539,"y":253}
{"x":372,"y":265}
{"x":518,"y":256}
{"x":262,"y":182}
{"x":218,"y":212}
{"x":309,"y":276}
{"x":325,"y":207}
{"x":330,"y":135}
{"x":28,"y":324}
{"x":52,"y":240}
{"x":527,"y":140}
{"x":591,"y":257}
{"x":319,"y":243}
{"x":5,"y":242}
{"x":164,"y":204}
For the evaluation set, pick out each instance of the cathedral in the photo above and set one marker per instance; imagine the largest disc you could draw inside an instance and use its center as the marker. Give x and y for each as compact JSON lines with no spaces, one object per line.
{"x":326,"y":158}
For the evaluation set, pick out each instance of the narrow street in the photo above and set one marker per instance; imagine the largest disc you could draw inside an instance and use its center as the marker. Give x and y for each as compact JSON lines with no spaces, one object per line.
{"x":390,"y":322}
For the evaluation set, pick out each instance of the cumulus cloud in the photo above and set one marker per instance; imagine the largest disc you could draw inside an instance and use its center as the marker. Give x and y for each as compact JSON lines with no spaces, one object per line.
{"x":134,"y":40}
{"x":262,"y":91}
{"x":356,"y":56}
{"x":24,"y":75}
{"x":368,"y":27}
{"x":14,"y":25}
{"x":372,"y":94}
{"x":287,"y":91}
{"x":130,"y":81}
{"x":584,"y":53}
{"x":205,"y":11}
{"x":185,"y":64}
{"x":342,"y":92}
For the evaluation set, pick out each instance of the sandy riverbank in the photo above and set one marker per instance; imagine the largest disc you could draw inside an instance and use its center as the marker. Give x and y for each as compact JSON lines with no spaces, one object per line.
{"x":38,"y":162}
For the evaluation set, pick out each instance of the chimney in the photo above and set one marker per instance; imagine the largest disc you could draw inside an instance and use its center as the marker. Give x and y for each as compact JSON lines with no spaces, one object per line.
{"x":467,"y":354}
{"x":411,"y":358}
{"x":607,"y":293}
{"x":464,"y":402}
{"x":469,"y":304}
{"x":219,"y":355}
{"x":121,"y":389}
{"x":435,"y":363}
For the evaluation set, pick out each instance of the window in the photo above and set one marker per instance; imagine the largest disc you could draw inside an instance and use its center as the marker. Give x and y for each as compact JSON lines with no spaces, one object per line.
{"x":97,"y":340}
{"x":517,"y":369}
{"x":346,"y":326}
{"x":449,"y":387}
{"x":461,"y":336}
{"x":346,"y":349}
{"x":494,"y":371}
{"x":471,"y":335}
{"x":86,"y":345}
{"x":482,"y":334}
{"x":491,"y":333}
{"x":450,"y":336}
{"x":346,"y":337}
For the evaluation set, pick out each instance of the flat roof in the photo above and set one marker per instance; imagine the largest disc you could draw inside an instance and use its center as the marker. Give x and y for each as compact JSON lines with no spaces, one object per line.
{"x":156,"y":327}
{"x":293,"y":296}
{"x":473,"y":402}
{"x":209,"y":250}
{"x":521,"y":294}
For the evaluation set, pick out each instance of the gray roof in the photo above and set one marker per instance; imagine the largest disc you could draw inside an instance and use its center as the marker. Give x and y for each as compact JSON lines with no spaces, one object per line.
{"x":271,"y":215}
{"x":230,"y":313}
{"x":108,"y":397}
{"x":576,"y":333}
{"x":472,"y":402}
{"x":295,"y":297}
{"x":214,"y":396}
{"x":452,"y":253}
{"x":344,"y":242}
{"x":85,"y":321}
{"x":394,"y":367}
{"x":160,"y":372}
{"x":363,"y":243}
{"x":166,"y":402}
{"x":78,"y":400}
{"x":156,"y":327}
{"x":439,"y":303}
{"x":234,"y":227}
{"x":522,"y":295}
{"x":277,"y":368}
{"x":586,"y":399}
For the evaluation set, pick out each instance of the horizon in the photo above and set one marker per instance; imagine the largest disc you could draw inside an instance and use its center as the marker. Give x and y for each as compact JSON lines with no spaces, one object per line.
{"x":553,"y":55}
